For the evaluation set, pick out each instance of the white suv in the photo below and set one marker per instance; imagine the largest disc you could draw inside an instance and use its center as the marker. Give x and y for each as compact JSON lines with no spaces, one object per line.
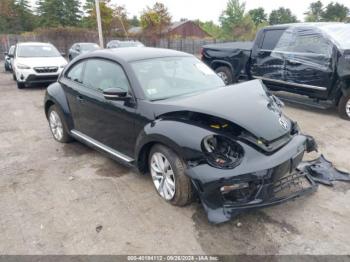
{"x":36,"y":63}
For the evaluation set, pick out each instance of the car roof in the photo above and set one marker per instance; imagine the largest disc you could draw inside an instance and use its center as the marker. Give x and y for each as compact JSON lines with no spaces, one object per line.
{"x":33,"y":43}
{"x":129,"y":54}
{"x":85,"y":43}
{"x":307,"y":24}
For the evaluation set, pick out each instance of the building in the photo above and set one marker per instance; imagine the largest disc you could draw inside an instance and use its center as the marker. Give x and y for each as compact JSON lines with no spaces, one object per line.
{"x":182,"y":29}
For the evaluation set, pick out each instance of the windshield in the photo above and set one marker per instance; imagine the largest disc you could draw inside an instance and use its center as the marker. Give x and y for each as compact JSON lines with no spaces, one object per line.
{"x":89,"y":47}
{"x":37,"y":51}
{"x":340,"y":33}
{"x":167,"y":77}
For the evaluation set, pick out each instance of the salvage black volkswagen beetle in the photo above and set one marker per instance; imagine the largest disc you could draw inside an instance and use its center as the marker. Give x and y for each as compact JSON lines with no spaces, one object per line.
{"x":169,"y":115}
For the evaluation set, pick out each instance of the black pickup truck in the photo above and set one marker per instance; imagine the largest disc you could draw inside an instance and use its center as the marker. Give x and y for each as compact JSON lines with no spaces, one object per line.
{"x":311,"y":59}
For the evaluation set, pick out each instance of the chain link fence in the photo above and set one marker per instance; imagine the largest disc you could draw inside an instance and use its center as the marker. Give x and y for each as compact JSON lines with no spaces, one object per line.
{"x":64,"y":39}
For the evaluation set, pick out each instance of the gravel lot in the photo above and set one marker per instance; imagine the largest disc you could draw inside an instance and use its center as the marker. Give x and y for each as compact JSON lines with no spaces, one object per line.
{"x":70,"y":199}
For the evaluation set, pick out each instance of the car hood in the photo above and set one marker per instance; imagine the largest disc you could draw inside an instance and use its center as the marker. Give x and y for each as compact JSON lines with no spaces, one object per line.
{"x":41,"y":61}
{"x":246,"y":104}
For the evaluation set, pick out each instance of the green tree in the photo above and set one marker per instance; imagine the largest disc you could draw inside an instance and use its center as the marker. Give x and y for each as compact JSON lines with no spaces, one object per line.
{"x":7,"y":16}
{"x":16,"y":16}
{"x":335,"y":12}
{"x":315,"y":12}
{"x":120,"y":20}
{"x":258,"y":15}
{"x":107,"y":18}
{"x":232,"y":16}
{"x":26,"y":19}
{"x":211,"y":28}
{"x":155,"y":20}
{"x":134,"y":21}
{"x":53,"y":13}
{"x":282,"y":16}
{"x":73,"y":12}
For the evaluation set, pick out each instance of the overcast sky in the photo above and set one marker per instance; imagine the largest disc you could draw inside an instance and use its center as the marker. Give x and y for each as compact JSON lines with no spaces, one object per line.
{"x":211,"y":9}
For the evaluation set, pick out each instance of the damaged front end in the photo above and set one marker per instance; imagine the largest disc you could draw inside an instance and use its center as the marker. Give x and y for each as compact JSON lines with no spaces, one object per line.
{"x":254,"y":180}
{"x":241,"y":151}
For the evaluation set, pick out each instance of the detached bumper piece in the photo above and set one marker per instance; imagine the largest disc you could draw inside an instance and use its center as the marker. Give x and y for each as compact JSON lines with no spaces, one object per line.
{"x":322,"y":171}
{"x":268,"y":190}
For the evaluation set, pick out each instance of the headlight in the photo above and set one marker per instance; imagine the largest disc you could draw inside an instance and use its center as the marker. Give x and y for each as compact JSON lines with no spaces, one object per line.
{"x":222,"y":152}
{"x":21,"y":66}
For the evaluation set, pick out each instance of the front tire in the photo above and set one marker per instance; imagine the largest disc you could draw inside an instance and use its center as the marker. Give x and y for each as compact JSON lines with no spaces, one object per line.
{"x":344,"y":107}
{"x":225,"y":74}
{"x":58,"y":125}
{"x":21,"y":85}
{"x":168,"y":174}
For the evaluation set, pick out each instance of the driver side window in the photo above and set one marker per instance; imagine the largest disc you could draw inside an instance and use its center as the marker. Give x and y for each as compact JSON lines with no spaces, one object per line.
{"x":75,"y":73}
{"x":102,"y":74}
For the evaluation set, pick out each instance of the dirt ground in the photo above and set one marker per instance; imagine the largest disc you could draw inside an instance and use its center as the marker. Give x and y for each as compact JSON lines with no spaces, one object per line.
{"x":70,"y":199}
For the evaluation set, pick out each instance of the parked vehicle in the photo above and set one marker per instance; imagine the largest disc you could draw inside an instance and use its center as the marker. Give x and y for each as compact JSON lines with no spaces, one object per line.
{"x":168,"y":114}
{"x":81,"y":48}
{"x":36,"y":63}
{"x":119,"y":44}
{"x":311,"y":59}
{"x":8,"y":66}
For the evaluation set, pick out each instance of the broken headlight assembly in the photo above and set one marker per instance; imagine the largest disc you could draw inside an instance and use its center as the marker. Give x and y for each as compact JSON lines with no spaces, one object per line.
{"x":222,"y":152}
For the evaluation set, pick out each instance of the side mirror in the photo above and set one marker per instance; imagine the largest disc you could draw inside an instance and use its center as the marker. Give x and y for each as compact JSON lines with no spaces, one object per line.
{"x":116,"y":94}
{"x":6,"y":53}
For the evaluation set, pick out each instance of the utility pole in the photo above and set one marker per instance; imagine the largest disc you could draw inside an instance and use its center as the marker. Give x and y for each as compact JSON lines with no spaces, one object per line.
{"x":99,"y":24}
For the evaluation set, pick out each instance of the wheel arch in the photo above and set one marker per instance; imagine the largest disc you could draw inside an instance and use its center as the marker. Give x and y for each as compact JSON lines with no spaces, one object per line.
{"x":217,"y":63}
{"x":55,"y":95}
{"x":172,"y":134}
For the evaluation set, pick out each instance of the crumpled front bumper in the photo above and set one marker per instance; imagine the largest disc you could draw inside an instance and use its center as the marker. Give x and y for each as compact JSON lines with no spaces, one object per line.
{"x":260,"y":181}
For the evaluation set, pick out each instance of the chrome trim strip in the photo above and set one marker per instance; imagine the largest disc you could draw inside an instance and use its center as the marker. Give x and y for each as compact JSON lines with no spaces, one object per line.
{"x":101,"y":146}
{"x":293,"y":84}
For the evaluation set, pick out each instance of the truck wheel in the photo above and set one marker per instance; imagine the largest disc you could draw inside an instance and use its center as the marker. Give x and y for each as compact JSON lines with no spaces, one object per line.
{"x":225,"y":74}
{"x":344,"y":107}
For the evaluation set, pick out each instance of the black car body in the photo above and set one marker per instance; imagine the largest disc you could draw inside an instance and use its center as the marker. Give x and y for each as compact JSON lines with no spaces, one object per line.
{"x":259,"y":146}
{"x":81,"y":48}
{"x":311,"y":59}
{"x":8,"y":57}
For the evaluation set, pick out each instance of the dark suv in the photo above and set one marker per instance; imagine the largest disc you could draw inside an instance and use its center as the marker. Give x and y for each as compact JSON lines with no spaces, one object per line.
{"x":311,"y":59}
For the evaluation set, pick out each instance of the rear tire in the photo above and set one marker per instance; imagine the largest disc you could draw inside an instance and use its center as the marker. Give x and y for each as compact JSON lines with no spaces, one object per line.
{"x":180,"y":183}
{"x":344,"y":107}
{"x":225,"y":74}
{"x":21,"y":85}
{"x":58,"y":125}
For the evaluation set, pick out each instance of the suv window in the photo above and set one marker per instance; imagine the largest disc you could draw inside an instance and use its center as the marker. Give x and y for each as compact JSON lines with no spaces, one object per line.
{"x":271,"y":38}
{"x":101,"y":74}
{"x":75,"y":73}
{"x":12,"y":50}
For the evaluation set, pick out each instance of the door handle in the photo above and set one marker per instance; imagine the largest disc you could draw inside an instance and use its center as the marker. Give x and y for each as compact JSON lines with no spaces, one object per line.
{"x":80,"y":99}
